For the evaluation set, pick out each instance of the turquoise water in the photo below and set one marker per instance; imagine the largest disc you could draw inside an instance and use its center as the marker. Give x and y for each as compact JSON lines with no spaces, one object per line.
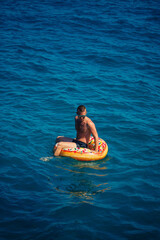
{"x":56,"y":55}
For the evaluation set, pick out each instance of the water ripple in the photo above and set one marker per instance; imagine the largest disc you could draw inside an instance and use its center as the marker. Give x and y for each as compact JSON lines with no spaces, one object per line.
{"x":56,"y":55}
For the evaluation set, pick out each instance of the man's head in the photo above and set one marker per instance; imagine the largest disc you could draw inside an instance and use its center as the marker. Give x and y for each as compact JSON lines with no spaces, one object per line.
{"x":81,"y":111}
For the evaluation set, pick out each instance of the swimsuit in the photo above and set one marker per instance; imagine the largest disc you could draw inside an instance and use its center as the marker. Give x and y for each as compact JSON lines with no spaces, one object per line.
{"x":80,"y":144}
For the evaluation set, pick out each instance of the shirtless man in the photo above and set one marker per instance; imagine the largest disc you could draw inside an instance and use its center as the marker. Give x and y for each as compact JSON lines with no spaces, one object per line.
{"x":85,"y":127}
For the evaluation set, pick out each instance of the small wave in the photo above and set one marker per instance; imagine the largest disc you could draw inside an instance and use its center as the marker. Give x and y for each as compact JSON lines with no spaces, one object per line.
{"x":46,"y":159}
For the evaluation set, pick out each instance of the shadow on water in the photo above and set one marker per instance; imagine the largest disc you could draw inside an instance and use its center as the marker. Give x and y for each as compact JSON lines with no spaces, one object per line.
{"x":79,"y":182}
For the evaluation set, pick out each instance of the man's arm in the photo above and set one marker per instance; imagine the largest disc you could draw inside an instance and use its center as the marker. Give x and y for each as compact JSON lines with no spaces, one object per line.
{"x":95,"y":134}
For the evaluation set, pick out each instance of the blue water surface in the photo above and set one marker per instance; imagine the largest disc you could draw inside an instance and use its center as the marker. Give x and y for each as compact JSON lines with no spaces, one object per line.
{"x":56,"y":55}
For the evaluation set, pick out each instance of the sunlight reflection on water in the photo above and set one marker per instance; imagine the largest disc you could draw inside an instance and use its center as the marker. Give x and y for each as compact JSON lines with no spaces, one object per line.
{"x":84,"y":180}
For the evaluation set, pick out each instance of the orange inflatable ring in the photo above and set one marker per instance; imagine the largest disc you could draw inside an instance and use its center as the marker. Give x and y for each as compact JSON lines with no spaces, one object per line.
{"x":86,"y":154}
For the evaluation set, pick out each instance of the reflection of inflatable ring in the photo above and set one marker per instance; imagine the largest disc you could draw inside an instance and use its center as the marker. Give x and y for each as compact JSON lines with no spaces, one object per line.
{"x":87,"y":154}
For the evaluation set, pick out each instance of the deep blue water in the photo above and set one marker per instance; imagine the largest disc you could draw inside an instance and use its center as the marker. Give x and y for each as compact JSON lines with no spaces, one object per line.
{"x":56,"y":55}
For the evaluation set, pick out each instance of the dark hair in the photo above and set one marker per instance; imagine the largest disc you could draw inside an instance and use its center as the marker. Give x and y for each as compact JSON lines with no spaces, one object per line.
{"x":81,"y":108}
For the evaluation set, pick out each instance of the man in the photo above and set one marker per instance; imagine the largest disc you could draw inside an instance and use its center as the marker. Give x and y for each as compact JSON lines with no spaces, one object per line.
{"x":84,"y":127}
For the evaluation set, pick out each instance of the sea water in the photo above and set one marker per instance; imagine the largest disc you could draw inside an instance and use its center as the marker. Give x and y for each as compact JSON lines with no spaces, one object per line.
{"x":56,"y":55}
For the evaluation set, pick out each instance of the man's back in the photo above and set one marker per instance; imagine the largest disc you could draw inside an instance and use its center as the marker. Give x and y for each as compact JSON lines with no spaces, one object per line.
{"x":83,"y":129}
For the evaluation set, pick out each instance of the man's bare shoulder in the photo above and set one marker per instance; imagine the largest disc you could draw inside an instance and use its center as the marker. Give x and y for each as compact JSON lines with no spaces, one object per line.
{"x":89,"y":122}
